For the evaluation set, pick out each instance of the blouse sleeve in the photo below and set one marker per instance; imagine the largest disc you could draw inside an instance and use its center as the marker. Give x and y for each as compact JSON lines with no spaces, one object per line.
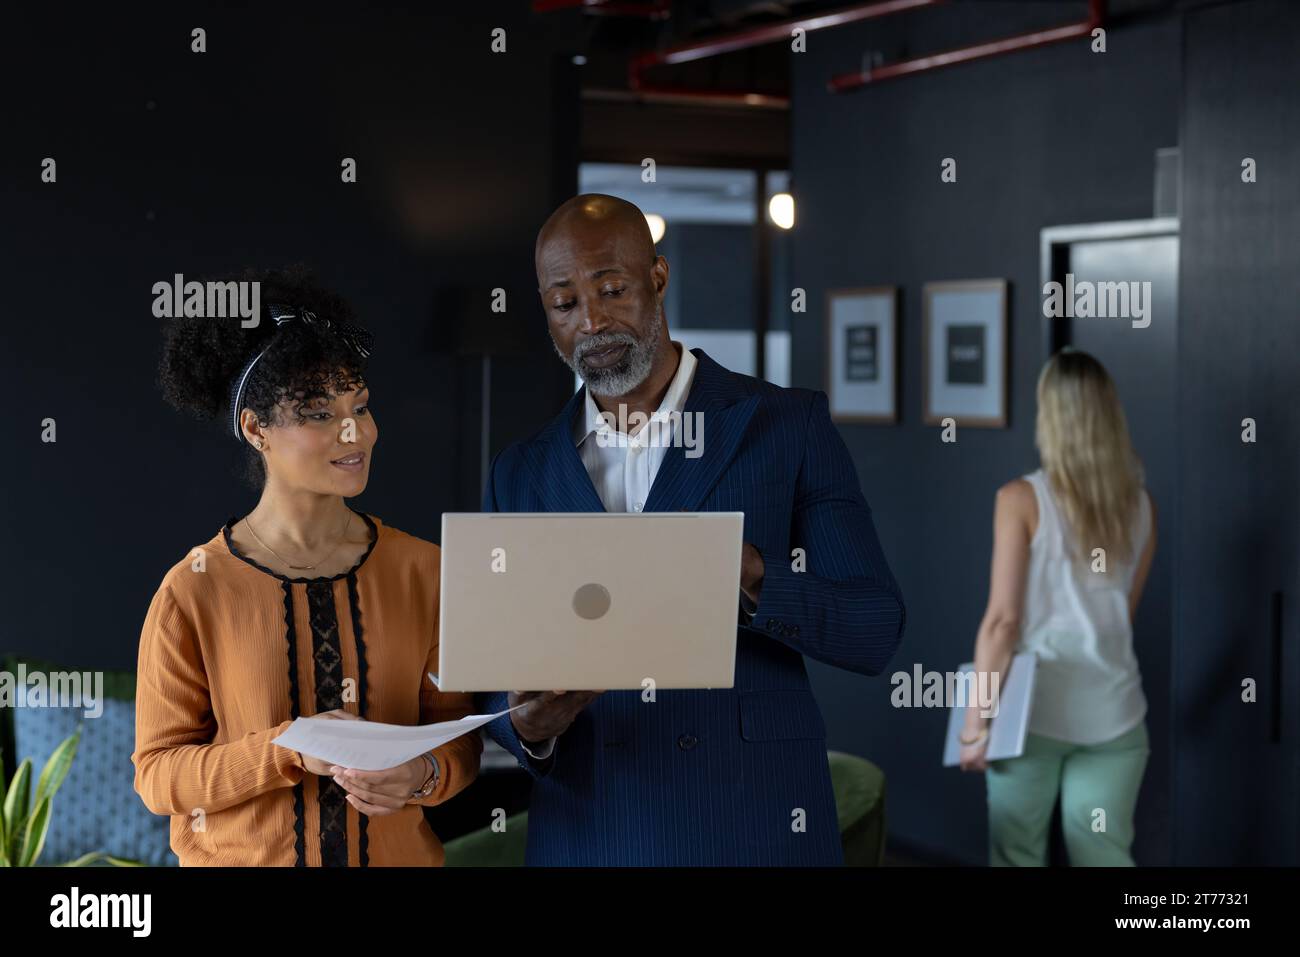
{"x":458,"y":759}
{"x":177,"y":769}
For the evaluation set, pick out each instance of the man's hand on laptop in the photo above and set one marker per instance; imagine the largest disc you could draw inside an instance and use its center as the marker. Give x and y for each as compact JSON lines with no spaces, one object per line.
{"x":547,"y":714}
{"x":752,"y":571}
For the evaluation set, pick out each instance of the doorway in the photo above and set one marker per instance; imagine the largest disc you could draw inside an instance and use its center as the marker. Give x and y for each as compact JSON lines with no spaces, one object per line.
{"x":1143,"y":363}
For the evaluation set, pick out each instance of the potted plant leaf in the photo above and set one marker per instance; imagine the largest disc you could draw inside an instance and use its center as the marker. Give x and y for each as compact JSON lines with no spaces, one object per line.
{"x":25,"y":817}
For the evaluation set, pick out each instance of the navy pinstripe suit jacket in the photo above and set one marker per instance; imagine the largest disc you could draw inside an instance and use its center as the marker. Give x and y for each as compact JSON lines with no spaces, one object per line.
{"x":718,"y":777}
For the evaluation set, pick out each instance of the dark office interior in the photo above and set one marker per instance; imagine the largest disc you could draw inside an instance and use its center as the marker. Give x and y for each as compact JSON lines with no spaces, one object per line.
{"x":1123,"y":164}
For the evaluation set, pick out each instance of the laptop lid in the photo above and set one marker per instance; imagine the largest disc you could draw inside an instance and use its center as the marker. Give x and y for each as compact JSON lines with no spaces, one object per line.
{"x":589,"y":601}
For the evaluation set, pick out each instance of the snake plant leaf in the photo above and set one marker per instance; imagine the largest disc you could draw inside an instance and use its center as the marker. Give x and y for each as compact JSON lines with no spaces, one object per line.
{"x":87,"y":859}
{"x":4,"y":789}
{"x":15,"y":807}
{"x":56,"y":768}
{"x":34,"y":834}
{"x":84,"y":859}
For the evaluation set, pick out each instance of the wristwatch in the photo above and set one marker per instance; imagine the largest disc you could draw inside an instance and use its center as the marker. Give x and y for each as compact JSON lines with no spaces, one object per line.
{"x":431,"y":781}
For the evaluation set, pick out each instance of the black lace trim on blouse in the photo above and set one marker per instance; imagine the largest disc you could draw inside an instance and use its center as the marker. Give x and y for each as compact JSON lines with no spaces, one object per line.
{"x":355,"y":606}
{"x":327,"y":664}
{"x":328,"y":671}
{"x":299,"y":837}
{"x":230,"y":545}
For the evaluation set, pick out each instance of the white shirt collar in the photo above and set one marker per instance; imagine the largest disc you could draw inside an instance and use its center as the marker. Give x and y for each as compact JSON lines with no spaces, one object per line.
{"x":674,"y":400}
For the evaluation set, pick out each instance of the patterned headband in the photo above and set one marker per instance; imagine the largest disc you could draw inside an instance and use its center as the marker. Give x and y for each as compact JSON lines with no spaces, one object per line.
{"x":357,"y":339}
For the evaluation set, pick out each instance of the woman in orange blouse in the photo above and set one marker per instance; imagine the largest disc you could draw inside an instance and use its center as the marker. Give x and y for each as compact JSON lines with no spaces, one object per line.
{"x":302,"y":607}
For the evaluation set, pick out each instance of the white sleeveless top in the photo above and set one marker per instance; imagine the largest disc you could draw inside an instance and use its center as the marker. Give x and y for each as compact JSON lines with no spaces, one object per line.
{"x":1087,"y":688}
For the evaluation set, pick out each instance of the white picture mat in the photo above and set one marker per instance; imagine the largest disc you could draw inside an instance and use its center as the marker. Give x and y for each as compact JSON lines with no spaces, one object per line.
{"x":985,"y":307}
{"x":855,"y":309}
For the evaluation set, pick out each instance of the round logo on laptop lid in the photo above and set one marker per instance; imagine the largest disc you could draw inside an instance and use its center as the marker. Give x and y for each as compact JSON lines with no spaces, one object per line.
{"x":591,"y":601}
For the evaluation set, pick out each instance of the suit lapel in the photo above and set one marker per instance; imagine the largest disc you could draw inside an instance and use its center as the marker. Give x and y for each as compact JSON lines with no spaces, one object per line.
{"x":724,"y":411}
{"x":554,"y":461}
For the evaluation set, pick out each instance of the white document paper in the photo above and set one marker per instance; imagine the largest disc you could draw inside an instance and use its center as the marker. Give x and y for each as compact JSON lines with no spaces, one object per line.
{"x":371,"y":746}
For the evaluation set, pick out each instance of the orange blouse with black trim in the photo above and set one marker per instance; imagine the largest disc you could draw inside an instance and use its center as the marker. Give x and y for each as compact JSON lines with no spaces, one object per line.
{"x":232,"y":652}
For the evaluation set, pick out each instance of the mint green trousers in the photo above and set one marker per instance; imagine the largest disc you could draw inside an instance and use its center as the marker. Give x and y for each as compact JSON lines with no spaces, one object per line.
{"x":1098,"y":786}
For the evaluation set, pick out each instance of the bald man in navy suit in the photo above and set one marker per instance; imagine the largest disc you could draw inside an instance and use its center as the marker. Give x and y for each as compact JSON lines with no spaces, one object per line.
{"x":733,"y":776}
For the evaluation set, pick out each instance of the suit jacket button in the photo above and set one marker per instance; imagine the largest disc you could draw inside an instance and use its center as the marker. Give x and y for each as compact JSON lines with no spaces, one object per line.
{"x":687,"y":741}
{"x":795,"y":631}
{"x":772,"y":624}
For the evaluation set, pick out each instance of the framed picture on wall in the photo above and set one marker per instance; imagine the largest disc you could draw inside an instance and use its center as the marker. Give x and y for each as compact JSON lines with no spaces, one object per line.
{"x":964,"y":350}
{"x":862,"y":354}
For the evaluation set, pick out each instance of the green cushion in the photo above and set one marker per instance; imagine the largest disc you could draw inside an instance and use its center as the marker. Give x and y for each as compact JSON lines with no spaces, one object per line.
{"x":488,"y":848}
{"x":859,"y":801}
{"x":118,"y":685}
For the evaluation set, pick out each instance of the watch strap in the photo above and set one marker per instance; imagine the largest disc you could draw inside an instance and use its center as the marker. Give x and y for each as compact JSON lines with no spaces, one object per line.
{"x":431,"y":781}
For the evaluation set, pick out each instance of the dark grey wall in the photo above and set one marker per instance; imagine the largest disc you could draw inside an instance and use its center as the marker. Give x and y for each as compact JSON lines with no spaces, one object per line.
{"x":711,"y":279}
{"x":171,"y":161}
{"x":1044,"y":137}
{"x":1238,"y":764}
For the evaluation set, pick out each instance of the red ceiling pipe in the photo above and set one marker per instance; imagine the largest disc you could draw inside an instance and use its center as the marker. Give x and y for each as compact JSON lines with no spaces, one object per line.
{"x":978,"y":51}
{"x":652,"y":10}
{"x":755,"y":36}
{"x":710,"y":96}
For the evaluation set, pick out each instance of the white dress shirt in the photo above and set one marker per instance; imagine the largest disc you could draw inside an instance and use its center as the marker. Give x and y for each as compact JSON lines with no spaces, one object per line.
{"x":623,"y":464}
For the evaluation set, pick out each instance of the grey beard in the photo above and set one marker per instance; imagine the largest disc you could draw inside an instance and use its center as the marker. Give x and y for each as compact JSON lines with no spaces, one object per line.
{"x":630,"y":371}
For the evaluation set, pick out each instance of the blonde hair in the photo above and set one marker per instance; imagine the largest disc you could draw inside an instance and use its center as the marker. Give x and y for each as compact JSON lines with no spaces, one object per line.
{"x":1083,"y":442}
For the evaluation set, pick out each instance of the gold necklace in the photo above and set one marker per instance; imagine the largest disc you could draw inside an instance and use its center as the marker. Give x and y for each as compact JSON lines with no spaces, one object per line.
{"x":347,"y":523}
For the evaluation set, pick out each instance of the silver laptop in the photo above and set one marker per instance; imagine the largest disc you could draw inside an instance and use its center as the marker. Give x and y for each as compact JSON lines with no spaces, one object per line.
{"x":589,"y":601}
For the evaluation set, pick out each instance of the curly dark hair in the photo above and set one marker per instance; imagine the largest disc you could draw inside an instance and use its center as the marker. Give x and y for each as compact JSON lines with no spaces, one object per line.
{"x":201,"y":357}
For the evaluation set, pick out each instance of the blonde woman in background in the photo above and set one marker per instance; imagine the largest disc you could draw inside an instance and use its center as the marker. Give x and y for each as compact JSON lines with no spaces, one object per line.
{"x":1049,"y":595}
